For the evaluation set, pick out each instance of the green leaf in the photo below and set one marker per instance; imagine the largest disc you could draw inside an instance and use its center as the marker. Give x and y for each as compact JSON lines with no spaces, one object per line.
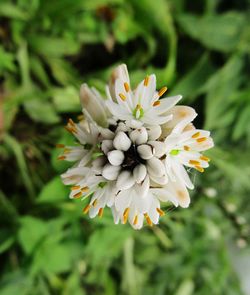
{"x":32,"y":231}
{"x":218,"y":32}
{"x":66,"y":99}
{"x":53,"y":191}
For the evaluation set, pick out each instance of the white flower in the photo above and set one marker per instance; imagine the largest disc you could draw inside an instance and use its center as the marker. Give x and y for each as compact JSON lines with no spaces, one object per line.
{"x":133,"y":151}
{"x":141,"y":106}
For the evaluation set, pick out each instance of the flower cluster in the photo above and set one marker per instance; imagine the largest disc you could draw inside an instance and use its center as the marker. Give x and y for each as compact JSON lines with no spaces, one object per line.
{"x":133,"y":150}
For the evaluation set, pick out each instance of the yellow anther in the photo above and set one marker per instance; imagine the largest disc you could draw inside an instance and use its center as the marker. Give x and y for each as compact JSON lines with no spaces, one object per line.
{"x":161,"y":212}
{"x":71,"y":122}
{"x":201,"y":139}
{"x":67,"y":151}
{"x":126,"y":87}
{"x":77,"y":195}
{"x":61,"y":158}
{"x":194,"y":162}
{"x":156,"y":103}
{"x":186,"y":148}
{"x":199,"y":168}
{"x":204,"y":158}
{"x":149,"y":221}
{"x":162,"y":91}
{"x":85,"y":189}
{"x":135,"y":220}
{"x":86,"y":209}
{"x":122,"y":96}
{"x":146,"y":81}
{"x":60,"y":145}
{"x":125,"y":215}
{"x":94,"y":203}
{"x":100,"y":212}
{"x":197,"y":134}
{"x":75,"y":187}
{"x":138,"y":106}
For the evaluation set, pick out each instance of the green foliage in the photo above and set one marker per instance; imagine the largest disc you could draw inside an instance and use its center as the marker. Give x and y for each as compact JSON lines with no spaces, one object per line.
{"x":48,"y":48}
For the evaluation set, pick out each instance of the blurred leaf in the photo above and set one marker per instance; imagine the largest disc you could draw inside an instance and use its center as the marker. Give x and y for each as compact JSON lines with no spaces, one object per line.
{"x":54,"y":191}
{"x":6,"y":60}
{"x":66,"y":99}
{"x":219,"y":32}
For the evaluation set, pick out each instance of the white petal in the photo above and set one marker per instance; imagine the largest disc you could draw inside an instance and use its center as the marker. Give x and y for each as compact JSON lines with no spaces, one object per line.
{"x":167,"y":103}
{"x":125,"y":180}
{"x":122,"y":141}
{"x":154,"y":132}
{"x":122,"y":200}
{"x":139,"y":173}
{"x":146,"y":151}
{"x":155,"y":167}
{"x":115,"y":157}
{"x":110,"y":172}
{"x":160,"y":148}
{"x":139,"y":136}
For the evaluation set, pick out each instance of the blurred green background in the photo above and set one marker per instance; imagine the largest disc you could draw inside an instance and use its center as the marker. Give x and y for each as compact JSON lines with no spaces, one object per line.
{"x":199,"y":49}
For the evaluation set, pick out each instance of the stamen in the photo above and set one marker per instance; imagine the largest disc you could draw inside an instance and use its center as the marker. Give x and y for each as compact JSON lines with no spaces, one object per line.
{"x":122,"y":96}
{"x":71,"y":122}
{"x":94,"y":203}
{"x":135,"y":220}
{"x":199,"y":168}
{"x":156,"y":103}
{"x":80,"y":117}
{"x":77,"y":196}
{"x":86,"y":209}
{"x":197,"y":134}
{"x":125,"y":215}
{"x":138,"y":107}
{"x":146,"y":81}
{"x":126,"y":86}
{"x":61,"y":158}
{"x":100,"y":212}
{"x":75,"y":187}
{"x":201,"y":139}
{"x":204,"y":158}
{"x":161,"y":212}
{"x":60,"y":145}
{"x":186,"y":148}
{"x":67,"y":151}
{"x":85,"y":189}
{"x":149,"y":221}
{"x":162,"y":91}
{"x":194,"y":162}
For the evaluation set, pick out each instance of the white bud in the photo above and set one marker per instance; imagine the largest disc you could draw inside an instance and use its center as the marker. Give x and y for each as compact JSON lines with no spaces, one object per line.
{"x":160,"y":148}
{"x":155,"y":167}
{"x":139,"y":136}
{"x":125,"y":180}
{"x":107,"y":145}
{"x":122,"y":127}
{"x":139,"y":173}
{"x":145,"y":151}
{"x":115,"y":157}
{"x":154,"y":132}
{"x":107,"y":134}
{"x":110,"y":172}
{"x":121,"y":141}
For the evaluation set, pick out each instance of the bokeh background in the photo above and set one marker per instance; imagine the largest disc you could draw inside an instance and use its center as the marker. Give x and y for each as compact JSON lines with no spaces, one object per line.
{"x":199,"y":49}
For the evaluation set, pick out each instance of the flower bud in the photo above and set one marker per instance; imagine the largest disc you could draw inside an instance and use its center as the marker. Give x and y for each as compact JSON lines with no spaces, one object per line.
{"x":115,"y":157}
{"x":121,"y":141}
{"x":139,"y":136}
{"x":145,"y":151}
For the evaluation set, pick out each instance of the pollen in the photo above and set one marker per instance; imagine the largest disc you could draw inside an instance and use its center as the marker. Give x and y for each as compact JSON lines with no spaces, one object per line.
{"x":125,"y":215}
{"x":146,"y":81}
{"x":162,"y":91}
{"x":61,"y":158}
{"x":86,"y":209}
{"x":122,"y":96}
{"x":199,"y":168}
{"x":60,"y":145}
{"x":100,"y":212}
{"x":204,"y":158}
{"x":135,"y":220}
{"x":197,"y":134}
{"x":201,"y":139}
{"x":75,"y":187}
{"x":126,"y":87}
{"x":161,"y":212}
{"x":95,"y":203}
{"x":186,"y":148}
{"x":149,"y":221}
{"x":194,"y":162}
{"x":156,"y":103}
{"x":78,"y":195}
{"x":85,"y":189}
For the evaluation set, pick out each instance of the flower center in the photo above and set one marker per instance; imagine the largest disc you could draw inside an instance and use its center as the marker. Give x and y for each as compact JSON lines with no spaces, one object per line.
{"x":174,"y":152}
{"x":138,"y":112}
{"x":132,"y":158}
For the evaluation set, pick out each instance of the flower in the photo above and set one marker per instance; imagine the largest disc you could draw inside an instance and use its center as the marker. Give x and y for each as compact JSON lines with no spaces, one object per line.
{"x":132,"y":152}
